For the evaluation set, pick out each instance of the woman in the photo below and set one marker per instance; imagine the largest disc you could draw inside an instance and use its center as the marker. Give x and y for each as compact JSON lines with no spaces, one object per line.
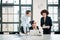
{"x":34,"y":26}
{"x":46,"y":22}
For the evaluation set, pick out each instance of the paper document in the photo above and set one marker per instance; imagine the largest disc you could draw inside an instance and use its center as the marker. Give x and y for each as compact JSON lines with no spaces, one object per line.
{"x":45,"y":26}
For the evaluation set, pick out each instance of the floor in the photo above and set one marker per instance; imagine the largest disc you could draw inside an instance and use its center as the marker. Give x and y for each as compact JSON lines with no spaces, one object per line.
{"x":24,"y":37}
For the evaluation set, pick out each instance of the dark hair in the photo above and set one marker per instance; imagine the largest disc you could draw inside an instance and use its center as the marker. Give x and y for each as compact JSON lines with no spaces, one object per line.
{"x":44,"y":11}
{"x":32,"y":22}
{"x":27,"y":12}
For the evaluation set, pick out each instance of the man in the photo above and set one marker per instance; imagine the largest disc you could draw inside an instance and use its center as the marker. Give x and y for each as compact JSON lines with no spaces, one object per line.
{"x":25,"y":21}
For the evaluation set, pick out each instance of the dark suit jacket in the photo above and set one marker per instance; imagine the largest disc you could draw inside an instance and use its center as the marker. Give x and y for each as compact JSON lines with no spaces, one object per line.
{"x":48,"y":21}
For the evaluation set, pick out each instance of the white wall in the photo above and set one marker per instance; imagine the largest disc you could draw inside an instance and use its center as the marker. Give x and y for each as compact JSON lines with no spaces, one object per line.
{"x":38,"y":5}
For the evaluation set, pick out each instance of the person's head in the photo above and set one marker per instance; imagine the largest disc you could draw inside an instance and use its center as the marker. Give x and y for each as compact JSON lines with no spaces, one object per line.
{"x":33,"y":23}
{"x":44,"y":13}
{"x":28,"y":13}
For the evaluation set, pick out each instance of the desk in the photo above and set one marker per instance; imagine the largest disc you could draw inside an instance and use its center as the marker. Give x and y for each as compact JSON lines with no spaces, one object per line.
{"x":24,"y":37}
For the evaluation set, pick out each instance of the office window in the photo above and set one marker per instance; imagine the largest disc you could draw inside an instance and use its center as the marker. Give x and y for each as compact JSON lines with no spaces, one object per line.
{"x":16,"y":18}
{"x":4,"y":27}
{"x":8,"y":27}
{"x":4,"y":18}
{"x":10,"y":18}
{"x":56,"y":26}
{"x":16,"y":13}
{"x":4,"y":10}
{"x":26,"y":1}
{"x":7,"y":1}
{"x":53,"y":10}
{"x":7,"y":18}
{"x":10,"y":1}
{"x":52,"y":1}
{"x":16,"y":27}
{"x":11,"y":14}
{"x":7,"y":10}
{"x":10,"y":10}
{"x":16,"y":1}
{"x":4,"y":1}
{"x":16,"y":9}
{"x":53,"y":13}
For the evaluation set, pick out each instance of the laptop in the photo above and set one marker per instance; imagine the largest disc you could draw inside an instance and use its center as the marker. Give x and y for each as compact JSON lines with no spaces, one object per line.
{"x":35,"y":33}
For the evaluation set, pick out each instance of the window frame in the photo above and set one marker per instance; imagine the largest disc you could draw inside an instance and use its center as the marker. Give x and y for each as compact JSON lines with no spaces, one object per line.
{"x":19,"y":13}
{"x":52,"y":5}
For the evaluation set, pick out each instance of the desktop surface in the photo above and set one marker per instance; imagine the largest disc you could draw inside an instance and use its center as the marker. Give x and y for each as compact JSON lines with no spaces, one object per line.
{"x":27,"y":37}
